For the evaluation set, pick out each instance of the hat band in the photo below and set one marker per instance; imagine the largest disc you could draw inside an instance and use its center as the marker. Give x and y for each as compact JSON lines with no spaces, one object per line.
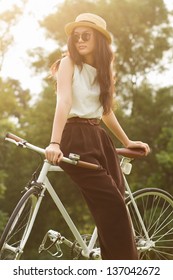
{"x":86,"y":21}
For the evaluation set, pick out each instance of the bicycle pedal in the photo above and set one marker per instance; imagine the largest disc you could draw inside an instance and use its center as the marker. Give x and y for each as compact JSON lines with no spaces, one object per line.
{"x":58,"y":253}
{"x":51,"y":239}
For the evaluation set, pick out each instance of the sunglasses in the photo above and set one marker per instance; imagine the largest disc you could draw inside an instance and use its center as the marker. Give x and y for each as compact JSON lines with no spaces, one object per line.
{"x":85,"y":36}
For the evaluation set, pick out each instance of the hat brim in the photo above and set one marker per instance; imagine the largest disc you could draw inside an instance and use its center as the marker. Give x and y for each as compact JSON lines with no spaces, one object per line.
{"x":69,"y":27}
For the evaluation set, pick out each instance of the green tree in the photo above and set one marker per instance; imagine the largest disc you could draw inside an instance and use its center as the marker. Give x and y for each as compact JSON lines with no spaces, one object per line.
{"x":8,"y":104}
{"x":164,"y":158}
{"x":151,"y":121}
{"x":8,"y":19}
{"x":141,"y":33}
{"x":14,"y":103}
{"x":141,"y":36}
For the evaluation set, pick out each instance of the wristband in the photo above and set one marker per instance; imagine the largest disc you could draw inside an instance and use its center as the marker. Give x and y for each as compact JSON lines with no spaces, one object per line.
{"x":55,"y":143}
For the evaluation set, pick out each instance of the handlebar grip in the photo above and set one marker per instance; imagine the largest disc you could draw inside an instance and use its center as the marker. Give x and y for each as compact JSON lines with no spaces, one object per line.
{"x":131,"y":152}
{"x":14,"y":137}
{"x":88,"y":165}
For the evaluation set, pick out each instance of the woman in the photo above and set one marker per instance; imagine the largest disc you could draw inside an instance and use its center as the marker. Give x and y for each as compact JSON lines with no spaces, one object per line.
{"x":84,"y":98}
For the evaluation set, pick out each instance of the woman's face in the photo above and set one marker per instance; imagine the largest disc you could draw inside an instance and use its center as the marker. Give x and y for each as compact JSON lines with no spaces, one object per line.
{"x":84,"y":41}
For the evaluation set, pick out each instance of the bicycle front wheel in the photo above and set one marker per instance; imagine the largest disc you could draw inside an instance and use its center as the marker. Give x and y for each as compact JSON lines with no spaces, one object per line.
{"x":156,"y":210}
{"x":18,"y":228}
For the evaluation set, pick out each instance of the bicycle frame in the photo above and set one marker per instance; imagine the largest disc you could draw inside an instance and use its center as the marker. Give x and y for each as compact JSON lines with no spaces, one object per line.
{"x":86,"y":250}
{"x":45,"y":184}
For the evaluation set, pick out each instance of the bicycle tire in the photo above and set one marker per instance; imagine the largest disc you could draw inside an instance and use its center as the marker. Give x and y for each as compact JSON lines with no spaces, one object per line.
{"x":156,"y":209}
{"x":16,"y":234}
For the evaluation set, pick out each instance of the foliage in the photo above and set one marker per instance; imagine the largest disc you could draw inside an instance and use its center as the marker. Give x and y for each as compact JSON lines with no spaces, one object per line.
{"x":142,"y":32}
{"x":140,"y":28}
{"x":151,"y":121}
{"x":13,"y":104}
{"x":7,"y":20}
{"x":164,"y":157}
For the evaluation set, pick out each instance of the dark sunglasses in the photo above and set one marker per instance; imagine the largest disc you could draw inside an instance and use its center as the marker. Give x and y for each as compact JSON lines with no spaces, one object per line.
{"x":85,"y":36}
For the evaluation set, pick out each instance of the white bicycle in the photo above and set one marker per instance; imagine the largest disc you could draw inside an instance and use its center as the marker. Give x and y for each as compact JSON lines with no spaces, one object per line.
{"x":150,"y":210}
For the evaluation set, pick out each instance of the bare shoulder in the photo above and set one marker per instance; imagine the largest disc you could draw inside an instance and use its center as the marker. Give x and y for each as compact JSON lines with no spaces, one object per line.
{"x":66,"y":64}
{"x":65,"y":73}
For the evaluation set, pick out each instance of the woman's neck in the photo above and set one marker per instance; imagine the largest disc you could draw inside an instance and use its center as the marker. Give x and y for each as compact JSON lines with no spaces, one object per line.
{"x":89,"y":60}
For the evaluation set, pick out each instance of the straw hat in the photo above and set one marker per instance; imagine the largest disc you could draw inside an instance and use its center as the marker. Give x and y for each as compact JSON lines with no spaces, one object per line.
{"x":89,"y":20}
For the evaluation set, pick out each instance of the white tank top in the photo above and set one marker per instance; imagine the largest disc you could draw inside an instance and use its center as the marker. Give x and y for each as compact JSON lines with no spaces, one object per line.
{"x":85,"y":93}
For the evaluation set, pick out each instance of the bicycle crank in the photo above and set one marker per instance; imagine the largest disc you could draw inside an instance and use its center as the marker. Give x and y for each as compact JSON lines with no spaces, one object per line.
{"x":76,"y":250}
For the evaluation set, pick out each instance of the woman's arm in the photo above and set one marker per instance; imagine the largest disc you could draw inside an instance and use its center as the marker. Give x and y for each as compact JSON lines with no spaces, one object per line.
{"x":112,"y":123}
{"x":63,"y":106}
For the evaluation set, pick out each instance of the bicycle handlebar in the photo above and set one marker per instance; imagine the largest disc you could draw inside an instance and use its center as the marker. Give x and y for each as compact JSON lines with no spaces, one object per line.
{"x":14,"y":137}
{"x":125,"y":152}
{"x":24,"y":144}
{"x":131,"y":152}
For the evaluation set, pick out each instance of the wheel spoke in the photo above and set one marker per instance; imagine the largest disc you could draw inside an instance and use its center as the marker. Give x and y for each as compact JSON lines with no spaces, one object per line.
{"x":17,"y":227}
{"x":156,"y":209}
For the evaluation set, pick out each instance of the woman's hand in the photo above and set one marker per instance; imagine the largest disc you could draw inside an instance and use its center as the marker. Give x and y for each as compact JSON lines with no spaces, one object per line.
{"x":53,"y":154}
{"x":139,"y":144}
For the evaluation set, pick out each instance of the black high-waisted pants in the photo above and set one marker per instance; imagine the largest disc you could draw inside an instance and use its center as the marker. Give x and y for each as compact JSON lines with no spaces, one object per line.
{"x":102,"y":189}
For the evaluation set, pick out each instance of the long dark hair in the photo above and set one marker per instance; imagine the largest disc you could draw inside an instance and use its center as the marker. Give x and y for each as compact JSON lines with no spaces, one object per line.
{"x":102,"y":61}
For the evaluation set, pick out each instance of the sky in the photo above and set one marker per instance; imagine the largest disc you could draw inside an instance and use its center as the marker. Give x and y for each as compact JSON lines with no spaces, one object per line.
{"x":27,"y":36}
{"x":16,"y":64}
